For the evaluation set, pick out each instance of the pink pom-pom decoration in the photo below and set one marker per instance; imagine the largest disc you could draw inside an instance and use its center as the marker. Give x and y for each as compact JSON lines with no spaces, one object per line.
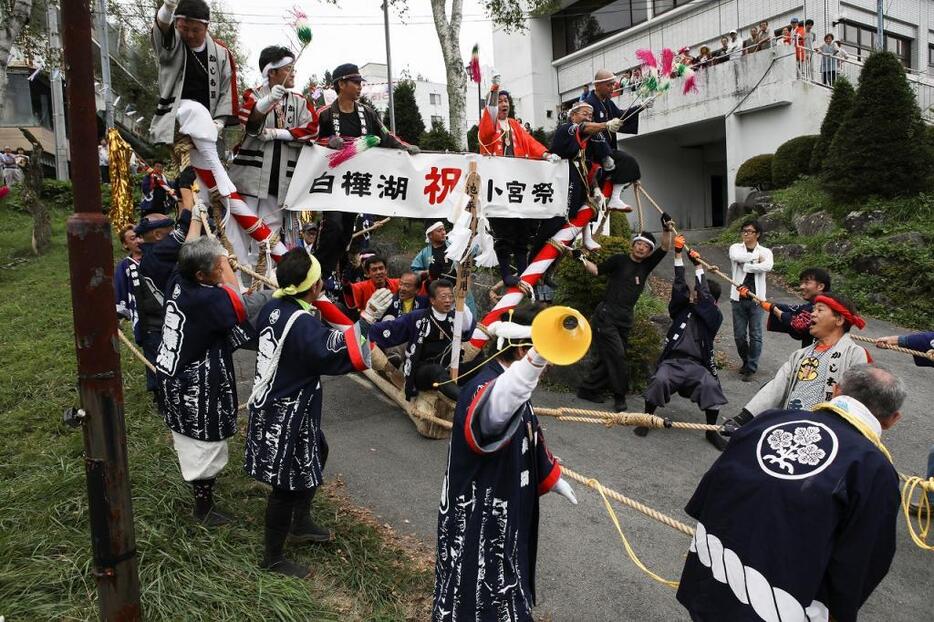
{"x":668,"y":61}
{"x":690,"y":83}
{"x":647,"y":58}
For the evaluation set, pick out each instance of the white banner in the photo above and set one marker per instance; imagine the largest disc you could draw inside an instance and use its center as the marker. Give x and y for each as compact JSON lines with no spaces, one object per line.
{"x":389,"y":182}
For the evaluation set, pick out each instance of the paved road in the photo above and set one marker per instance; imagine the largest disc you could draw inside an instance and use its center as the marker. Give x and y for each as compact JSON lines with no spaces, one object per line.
{"x":583,"y":570}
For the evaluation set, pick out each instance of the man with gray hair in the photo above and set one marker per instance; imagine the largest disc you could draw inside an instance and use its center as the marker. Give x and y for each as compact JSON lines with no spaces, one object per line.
{"x":823,"y":486}
{"x":205,"y":320}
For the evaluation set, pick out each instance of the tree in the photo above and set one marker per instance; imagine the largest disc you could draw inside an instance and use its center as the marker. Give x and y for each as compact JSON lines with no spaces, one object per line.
{"x":840,"y":104}
{"x":473,"y":139}
{"x":439,"y":139}
{"x":792,"y":159}
{"x":409,"y":123}
{"x":879,"y":148}
{"x":14,"y":16}
{"x":510,"y":14}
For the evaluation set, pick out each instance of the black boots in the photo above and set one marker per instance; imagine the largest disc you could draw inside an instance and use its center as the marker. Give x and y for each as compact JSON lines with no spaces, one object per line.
{"x":278,"y":519}
{"x":304,"y":528}
{"x":204,"y":511}
{"x":713,"y":437}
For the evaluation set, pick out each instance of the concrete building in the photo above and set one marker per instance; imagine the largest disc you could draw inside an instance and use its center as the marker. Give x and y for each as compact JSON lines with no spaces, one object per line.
{"x":690,"y":146}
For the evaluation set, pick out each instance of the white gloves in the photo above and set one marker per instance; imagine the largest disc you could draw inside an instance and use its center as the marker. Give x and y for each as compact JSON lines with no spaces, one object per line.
{"x":564,"y":489}
{"x":377,"y":305}
{"x":608,"y":164}
{"x":268,"y":102}
{"x":553,"y":157}
{"x":413,"y":149}
{"x":508,"y":330}
{"x":335,"y":142}
{"x":198,"y":209}
{"x":170,"y":4}
{"x":613,"y":125}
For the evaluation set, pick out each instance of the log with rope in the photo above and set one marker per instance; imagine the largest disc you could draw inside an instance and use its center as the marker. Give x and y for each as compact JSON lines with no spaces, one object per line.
{"x":464,"y":266}
{"x":376,"y":225}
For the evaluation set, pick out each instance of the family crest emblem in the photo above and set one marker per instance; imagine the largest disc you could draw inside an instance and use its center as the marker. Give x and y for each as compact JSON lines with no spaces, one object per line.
{"x":796,"y":449}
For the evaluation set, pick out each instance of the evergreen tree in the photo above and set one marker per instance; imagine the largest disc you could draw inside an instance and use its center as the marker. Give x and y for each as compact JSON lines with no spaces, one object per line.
{"x":409,"y":124}
{"x":880,"y":148}
{"x":840,"y":104}
{"x":438,"y":138}
{"x":473,"y":139}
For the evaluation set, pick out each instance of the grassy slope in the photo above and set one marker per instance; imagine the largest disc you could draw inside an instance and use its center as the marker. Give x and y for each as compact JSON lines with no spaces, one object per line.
{"x":186,"y":572}
{"x":901,"y":292}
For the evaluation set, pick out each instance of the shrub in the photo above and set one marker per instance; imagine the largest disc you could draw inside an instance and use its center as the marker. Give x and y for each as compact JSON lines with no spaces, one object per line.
{"x":880,"y":148}
{"x":584,"y":292}
{"x":409,"y":124}
{"x":792,"y":160}
{"x":756,"y":172}
{"x":840,"y":104}
{"x":473,"y":139}
{"x":438,"y":139}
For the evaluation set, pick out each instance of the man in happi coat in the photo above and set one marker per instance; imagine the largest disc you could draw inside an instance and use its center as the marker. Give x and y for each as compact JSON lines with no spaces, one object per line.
{"x":498,"y":467}
{"x":339,"y":123}
{"x":796,"y":519}
{"x":795,"y":320}
{"x":278,"y":122}
{"x":126,"y":279}
{"x":205,"y":320}
{"x":809,"y":375}
{"x":431,"y":263}
{"x":429,"y":334}
{"x":686,"y":365}
{"x":286,"y":447}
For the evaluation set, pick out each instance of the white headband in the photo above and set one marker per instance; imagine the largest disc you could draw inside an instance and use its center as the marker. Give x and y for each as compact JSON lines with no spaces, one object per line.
{"x":433,"y":227}
{"x":192,"y":19}
{"x":604,"y":79}
{"x":579,"y":104}
{"x":279,"y":64}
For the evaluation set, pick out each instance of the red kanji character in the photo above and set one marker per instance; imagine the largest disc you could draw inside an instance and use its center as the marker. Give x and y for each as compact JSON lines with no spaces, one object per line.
{"x":440,"y":183}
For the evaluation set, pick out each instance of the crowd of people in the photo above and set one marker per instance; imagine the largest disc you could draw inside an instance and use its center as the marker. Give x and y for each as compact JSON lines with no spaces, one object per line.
{"x":335,"y":303}
{"x":14,"y":165}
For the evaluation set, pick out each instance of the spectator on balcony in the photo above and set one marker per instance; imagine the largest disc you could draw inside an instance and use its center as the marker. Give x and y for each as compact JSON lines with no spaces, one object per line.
{"x":751,"y":44}
{"x":735,"y":45}
{"x":636,"y":79}
{"x":798,"y":37}
{"x":765,"y":37}
{"x":703,"y":59}
{"x":722,"y":54}
{"x":810,"y":43}
{"x":684,"y":57}
{"x":584,"y":93}
{"x":785,"y":39}
{"x":828,"y":60}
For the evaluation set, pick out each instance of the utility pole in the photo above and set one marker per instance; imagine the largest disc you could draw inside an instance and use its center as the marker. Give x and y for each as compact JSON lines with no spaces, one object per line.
{"x":880,"y":24}
{"x":392,"y":107}
{"x":100,"y":385}
{"x":58,"y":100}
{"x":103,"y":39}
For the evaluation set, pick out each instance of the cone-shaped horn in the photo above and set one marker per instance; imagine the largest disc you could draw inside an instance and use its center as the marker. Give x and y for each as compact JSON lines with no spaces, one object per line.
{"x":561,"y":335}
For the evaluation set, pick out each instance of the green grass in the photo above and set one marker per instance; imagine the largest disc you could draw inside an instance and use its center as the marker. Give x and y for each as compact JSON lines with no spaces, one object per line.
{"x":901,"y":290}
{"x":186,"y":571}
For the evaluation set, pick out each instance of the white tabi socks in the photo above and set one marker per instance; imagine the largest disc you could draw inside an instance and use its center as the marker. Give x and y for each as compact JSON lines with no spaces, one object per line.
{"x":589,"y":243}
{"x":616,"y":199}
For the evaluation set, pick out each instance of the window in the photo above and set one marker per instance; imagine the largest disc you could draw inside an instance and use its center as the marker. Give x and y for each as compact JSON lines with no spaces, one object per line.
{"x":860,"y":41}
{"x":589,"y":21}
{"x":930,"y":55}
{"x":434,"y":99}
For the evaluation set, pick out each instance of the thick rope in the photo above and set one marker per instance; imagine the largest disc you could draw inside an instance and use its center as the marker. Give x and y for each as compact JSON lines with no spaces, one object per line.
{"x":918,"y":353}
{"x":135,"y":351}
{"x":376,"y":225}
{"x":584,"y":415}
{"x":919,"y":533}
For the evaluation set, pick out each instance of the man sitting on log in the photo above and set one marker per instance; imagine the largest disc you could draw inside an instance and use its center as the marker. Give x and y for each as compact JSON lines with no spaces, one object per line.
{"x":429,"y":334}
{"x":686,"y":365}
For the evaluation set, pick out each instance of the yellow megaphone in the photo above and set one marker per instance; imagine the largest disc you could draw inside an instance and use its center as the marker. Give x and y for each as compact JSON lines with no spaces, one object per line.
{"x":561,"y":335}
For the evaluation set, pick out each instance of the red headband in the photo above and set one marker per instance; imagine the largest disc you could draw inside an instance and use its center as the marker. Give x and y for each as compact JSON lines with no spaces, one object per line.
{"x":849,"y":316}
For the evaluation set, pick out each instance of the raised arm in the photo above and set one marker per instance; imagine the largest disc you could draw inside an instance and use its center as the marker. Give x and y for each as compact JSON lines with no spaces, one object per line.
{"x":164,"y":15}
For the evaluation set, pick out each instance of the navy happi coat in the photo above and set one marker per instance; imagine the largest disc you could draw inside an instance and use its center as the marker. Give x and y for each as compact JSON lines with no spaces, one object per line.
{"x":795,"y":521}
{"x":196,"y":387}
{"x":488,"y":518}
{"x":285,"y":445}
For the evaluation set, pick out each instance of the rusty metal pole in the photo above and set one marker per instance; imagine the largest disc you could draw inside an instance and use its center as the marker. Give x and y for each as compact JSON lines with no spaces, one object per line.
{"x":100,"y":385}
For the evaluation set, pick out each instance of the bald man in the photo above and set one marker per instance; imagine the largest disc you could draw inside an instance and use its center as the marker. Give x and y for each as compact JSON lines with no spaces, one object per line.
{"x":626,"y":170}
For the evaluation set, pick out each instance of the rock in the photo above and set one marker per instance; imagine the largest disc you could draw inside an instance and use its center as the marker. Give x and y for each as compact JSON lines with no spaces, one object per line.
{"x":859,"y":222}
{"x":908,"y":238}
{"x":814,"y":224}
{"x":838,"y":247}
{"x":757,"y":200}
{"x":789,"y":251}
{"x":734,"y":211}
{"x":774,"y":222}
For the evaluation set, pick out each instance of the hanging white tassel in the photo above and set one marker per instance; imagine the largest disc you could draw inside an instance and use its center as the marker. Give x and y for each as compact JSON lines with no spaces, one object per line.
{"x":486,"y":255}
{"x":459,"y":238}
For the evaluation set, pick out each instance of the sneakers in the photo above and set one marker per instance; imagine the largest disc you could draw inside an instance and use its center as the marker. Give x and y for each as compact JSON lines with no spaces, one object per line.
{"x":287,"y":567}
{"x":591,"y":396}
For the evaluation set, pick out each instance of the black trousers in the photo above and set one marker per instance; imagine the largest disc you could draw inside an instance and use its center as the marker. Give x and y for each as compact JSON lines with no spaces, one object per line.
{"x":511,"y":238}
{"x":546,"y":230}
{"x":333,"y":238}
{"x":427,"y":374}
{"x":610,"y":341}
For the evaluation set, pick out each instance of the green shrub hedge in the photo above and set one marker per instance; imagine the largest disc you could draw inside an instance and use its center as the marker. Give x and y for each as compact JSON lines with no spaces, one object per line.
{"x":756,"y":172}
{"x":792,"y":160}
